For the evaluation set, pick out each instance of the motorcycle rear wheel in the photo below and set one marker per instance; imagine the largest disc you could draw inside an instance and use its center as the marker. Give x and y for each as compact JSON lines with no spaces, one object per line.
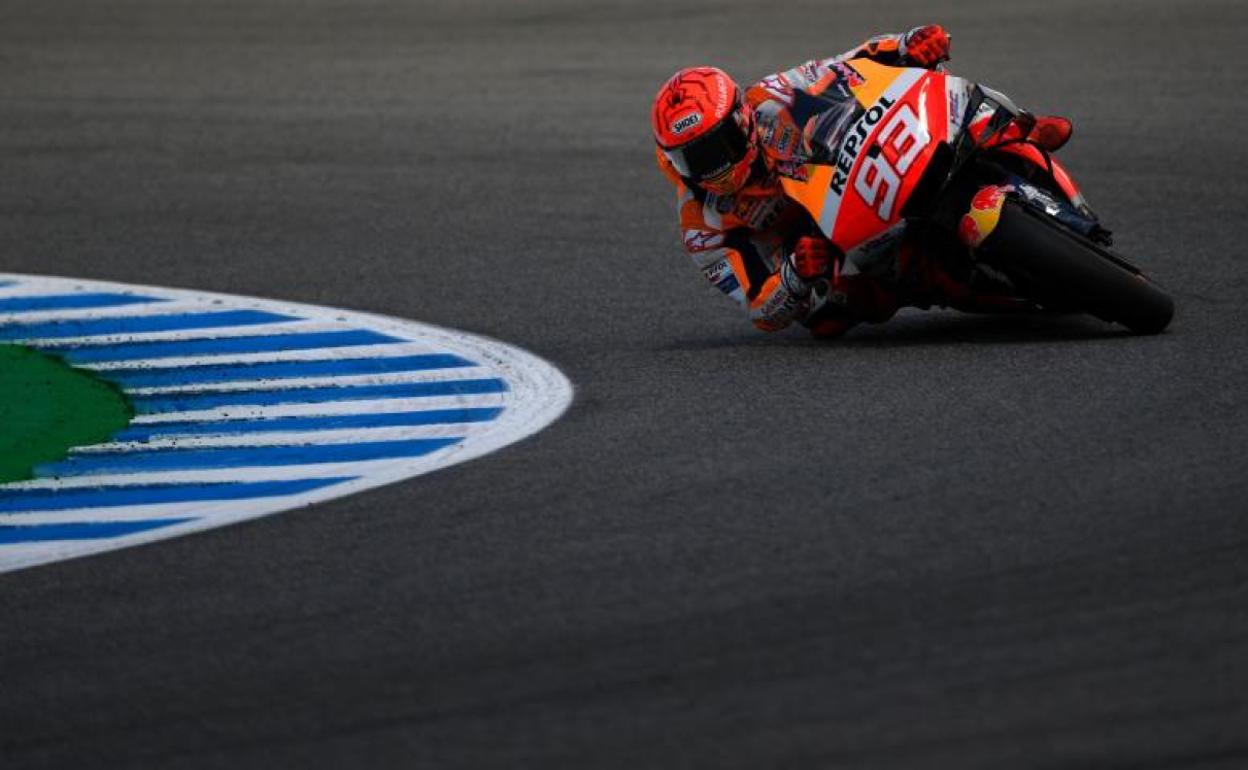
{"x":1060,"y":268}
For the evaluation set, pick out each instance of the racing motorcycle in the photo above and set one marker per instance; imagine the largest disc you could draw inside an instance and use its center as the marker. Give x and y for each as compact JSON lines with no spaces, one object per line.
{"x":923,"y":154}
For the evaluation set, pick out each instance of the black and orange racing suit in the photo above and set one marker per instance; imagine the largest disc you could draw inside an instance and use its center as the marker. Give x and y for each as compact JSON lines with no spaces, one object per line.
{"x":740,"y":241}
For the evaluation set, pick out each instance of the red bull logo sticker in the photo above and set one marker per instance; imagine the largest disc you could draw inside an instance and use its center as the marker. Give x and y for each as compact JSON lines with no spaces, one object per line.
{"x":978,"y":223}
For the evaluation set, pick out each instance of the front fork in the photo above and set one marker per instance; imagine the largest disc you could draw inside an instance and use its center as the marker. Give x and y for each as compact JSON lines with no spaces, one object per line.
{"x":981,"y":219}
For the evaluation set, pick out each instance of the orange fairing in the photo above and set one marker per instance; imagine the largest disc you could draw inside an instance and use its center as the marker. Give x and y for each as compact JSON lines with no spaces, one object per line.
{"x":883,"y":151}
{"x":876,"y":78}
{"x":810,"y":191}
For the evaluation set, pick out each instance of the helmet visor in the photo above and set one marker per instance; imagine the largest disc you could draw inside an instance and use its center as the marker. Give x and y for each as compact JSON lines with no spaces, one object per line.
{"x":713,"y":154}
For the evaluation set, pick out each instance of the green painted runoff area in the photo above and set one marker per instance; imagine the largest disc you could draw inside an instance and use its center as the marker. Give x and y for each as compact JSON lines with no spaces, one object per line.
{"x":47,"y":407}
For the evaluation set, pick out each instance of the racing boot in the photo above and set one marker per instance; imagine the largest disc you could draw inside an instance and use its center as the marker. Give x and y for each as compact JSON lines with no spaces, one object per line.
{"x":828,"y":328}
{"x":1051,"y":132}
{"x":848,"y":301}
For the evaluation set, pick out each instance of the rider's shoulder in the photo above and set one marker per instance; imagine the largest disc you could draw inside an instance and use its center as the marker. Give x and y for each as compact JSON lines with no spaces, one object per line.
{"x":775,"y":90}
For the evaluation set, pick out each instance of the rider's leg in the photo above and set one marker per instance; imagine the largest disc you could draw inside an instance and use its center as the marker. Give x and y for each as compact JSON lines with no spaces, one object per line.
{"x":1051,"y":132}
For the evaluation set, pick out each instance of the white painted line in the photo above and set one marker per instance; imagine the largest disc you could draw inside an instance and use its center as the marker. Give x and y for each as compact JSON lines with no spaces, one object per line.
{"x":124,"y":513}
{"x":387,"y":350}
{"x":211,"y":476}
{"x":327,"y":409}
{"x":536,"y":395}
{"x":219,"y":332}
{"x":291,"y":438}
{"x":89,"y":314}
{"x":292,"y":383}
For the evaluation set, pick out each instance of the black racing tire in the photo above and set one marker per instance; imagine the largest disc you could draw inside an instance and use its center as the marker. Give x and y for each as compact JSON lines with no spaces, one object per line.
{"x":1060,"y":268}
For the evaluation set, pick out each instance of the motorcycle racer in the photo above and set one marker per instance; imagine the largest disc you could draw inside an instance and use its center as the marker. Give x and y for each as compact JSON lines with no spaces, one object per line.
{"x":725,"y":151}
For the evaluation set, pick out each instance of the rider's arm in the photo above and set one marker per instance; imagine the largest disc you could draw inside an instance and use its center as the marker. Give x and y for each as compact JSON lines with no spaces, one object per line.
{"x":732,"y":263}
{"x":885,"y":49}
{"x":924,"y":46}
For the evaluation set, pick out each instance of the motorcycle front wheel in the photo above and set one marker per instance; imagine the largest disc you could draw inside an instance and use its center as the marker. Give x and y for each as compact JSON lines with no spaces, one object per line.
{"x":1060,"y":268}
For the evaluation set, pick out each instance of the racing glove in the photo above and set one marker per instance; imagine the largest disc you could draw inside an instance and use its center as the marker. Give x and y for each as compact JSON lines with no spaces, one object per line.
{"x":812,"y":259}
{"x":926,"y":46}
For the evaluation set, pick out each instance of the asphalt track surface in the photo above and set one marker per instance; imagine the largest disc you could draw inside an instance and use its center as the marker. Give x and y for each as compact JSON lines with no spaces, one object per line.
{"x":949,"y":541}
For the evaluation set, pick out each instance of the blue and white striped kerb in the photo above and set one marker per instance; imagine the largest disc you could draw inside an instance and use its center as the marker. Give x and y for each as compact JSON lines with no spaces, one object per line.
{"x":247,"y":407}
